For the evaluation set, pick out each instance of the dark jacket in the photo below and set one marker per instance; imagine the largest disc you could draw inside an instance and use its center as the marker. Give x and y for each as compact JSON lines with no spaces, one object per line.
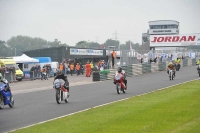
{"x":62,"y":76}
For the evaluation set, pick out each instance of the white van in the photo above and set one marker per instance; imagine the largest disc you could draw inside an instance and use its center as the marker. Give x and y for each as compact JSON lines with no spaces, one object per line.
{"x":54,"y":66}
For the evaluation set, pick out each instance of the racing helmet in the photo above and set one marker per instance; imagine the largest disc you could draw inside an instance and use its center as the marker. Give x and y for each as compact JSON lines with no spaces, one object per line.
{"x":119,"y":69}
{"x":59,"y":72}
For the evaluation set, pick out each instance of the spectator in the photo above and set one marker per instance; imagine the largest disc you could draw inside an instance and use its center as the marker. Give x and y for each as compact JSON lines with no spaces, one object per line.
{"x":113,"y":56}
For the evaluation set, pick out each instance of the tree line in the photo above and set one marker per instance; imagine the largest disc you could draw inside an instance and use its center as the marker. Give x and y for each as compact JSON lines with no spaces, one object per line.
{"x":17,"y":44}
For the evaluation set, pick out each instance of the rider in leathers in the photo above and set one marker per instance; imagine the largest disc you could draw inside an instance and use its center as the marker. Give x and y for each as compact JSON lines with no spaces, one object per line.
{"x":171,"y":67}
{"x":119,"y":70}
{"x":5,"y":82}
{"x":60,"y":75}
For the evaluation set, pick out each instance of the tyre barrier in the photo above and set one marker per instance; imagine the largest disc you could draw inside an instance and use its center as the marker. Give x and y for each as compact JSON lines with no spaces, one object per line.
{"x":185,"y":62}
{"x":193,"y":62}
{"x":146,"y":68}
{"x":189,"y":62}
{"x":137,"y":69}
{"x":96,"y":76}
{"x":162,"y":66}
{"x":103,"y":77}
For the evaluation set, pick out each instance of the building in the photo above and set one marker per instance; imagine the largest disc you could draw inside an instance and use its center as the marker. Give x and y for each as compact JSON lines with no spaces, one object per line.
{"x":159,"y":27}
{"x":59,"y":54}
{"x":163,"y":27}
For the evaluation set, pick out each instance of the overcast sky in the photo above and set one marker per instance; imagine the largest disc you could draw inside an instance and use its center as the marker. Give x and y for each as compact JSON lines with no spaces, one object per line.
{"x":71,"y":21}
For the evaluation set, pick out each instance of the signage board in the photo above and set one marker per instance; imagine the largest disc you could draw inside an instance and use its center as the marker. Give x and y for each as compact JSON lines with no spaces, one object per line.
{"x":174,"y":40}
{"x":74,"y":51}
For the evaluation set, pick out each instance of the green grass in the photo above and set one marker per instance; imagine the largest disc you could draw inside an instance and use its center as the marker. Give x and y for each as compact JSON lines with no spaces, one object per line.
{"x":173,"y":110}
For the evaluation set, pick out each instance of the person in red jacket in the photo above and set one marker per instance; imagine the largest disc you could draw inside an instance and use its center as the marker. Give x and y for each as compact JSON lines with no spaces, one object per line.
{"x":88,"y":69}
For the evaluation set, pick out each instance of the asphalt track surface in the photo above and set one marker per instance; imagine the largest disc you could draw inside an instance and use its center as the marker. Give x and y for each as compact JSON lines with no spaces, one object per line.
{"x":40,"y":105}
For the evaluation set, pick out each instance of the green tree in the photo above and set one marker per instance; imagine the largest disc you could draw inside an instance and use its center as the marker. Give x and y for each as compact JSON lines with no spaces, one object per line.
{"x":111,"y":42}
{"x":23,"y":43}
{"x":4,"y":50}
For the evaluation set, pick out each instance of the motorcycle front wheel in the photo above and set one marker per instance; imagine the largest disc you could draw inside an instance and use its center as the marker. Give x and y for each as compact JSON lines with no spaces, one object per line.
{"x":118,"y":88}
{"x":58,"y":97}
{"x":11,"y":105}
{"x":1,"y":102}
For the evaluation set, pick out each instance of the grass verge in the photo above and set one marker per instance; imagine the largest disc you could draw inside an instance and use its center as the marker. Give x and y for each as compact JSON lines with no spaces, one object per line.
{"x":173,"y":110}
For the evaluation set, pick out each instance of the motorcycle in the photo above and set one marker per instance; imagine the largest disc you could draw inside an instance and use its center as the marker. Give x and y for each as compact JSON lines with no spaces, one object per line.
{"x":6,"y":97}
{"x":171,"y":75}
{"x":119,"y":82}
{"x":44,"y":76}
{"x":61,"y":92}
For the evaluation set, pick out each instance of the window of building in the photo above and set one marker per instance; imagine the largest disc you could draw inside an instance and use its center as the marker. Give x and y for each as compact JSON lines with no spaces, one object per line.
{"x":25,"y":65}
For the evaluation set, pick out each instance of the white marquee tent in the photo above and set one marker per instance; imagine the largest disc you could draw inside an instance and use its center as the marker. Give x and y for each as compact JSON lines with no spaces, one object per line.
{"x":25,"y":59}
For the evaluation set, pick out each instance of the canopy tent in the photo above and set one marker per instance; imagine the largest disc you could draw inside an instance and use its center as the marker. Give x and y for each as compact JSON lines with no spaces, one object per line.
{"x":24,"y":59}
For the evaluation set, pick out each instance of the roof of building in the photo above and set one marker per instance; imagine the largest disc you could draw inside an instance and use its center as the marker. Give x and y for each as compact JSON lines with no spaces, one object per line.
{"x":164,"y":20}
{"x":64,"y":47}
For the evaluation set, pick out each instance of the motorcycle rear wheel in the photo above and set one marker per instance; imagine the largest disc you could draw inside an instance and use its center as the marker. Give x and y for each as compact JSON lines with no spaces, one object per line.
{"x":117,"y":87}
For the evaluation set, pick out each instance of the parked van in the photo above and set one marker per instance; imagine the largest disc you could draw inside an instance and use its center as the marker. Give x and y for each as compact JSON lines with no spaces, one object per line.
{"x":10,"y":62}
{"x":54,"y":66}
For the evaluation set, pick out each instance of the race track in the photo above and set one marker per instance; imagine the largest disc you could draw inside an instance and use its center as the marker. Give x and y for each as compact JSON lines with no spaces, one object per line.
{"x":39,"y":104}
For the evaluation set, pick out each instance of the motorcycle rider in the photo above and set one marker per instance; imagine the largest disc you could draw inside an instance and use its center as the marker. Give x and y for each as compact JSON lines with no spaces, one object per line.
{"x":60,"y":75}
{"x":171,"y":67}
{"x":5,"y":82}
{"x":119,"y":70}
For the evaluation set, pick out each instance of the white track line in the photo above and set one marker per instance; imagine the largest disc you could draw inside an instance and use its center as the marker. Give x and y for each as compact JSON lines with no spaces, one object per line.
{"x":102,"y":105}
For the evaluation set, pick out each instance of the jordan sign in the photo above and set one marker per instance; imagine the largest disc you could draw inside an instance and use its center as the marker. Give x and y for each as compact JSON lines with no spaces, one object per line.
{"x":174,"y":40}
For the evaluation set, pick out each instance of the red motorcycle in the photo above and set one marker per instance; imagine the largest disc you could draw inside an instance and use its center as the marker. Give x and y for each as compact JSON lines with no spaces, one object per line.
{"x":119,"y":80}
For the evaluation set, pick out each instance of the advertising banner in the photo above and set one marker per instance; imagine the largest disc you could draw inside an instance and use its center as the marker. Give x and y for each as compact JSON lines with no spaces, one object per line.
{"x":74,"y":51}
{"x":174,"y":40}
